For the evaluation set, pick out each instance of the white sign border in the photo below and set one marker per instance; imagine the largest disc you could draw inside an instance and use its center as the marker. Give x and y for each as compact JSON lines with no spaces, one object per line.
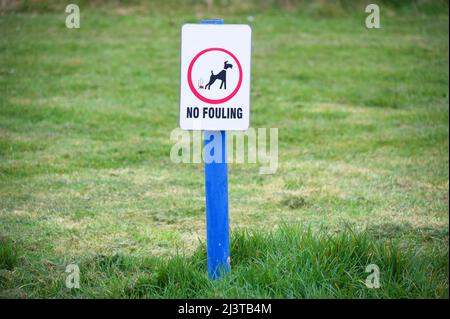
{"x":180,"y":78}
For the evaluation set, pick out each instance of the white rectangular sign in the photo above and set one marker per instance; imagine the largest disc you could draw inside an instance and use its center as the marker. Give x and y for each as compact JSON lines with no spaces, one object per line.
{"x":215,"y":77}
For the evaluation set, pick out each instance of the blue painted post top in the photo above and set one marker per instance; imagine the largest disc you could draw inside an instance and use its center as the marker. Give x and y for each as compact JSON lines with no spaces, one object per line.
{"x":212,"y":21}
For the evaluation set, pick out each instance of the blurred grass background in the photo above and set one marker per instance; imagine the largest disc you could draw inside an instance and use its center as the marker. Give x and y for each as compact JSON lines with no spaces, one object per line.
{"x":86,"y":116}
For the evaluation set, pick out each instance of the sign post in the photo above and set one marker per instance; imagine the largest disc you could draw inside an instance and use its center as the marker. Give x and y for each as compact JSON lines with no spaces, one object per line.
{"x":216,"y":191}
{"x":215,"y":97}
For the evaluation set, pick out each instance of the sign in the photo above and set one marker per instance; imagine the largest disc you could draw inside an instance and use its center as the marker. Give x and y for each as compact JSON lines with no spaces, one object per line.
{"x":215,"y":77}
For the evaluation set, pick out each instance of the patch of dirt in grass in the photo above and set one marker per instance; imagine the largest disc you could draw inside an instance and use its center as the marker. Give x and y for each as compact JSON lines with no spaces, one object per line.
{"x":294,"y":202}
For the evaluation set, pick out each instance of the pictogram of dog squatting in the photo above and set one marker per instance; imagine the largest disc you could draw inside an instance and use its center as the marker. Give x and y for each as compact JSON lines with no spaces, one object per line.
{"x":219,"y":76}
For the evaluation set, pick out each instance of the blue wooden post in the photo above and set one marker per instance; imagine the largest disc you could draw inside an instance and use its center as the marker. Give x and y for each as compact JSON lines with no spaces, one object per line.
{"x":216,"y":189}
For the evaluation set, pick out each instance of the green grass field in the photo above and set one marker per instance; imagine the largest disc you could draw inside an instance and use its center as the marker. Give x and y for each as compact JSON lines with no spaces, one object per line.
{"x":363,"y":175}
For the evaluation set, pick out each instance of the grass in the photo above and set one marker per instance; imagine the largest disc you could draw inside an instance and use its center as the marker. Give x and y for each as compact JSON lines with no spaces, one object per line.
{"x":289,"y":263}
{"x":86,"y":177}
{"x":8,"y":254}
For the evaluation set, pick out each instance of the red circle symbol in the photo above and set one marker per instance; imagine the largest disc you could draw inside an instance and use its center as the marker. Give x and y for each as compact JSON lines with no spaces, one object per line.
{"x":201,"y":97}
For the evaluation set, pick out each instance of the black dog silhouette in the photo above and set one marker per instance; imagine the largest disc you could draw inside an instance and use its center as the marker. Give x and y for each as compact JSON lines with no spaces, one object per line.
{"x":222,"y":75}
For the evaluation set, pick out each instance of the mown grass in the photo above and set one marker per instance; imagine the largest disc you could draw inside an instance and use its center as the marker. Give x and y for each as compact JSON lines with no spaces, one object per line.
{"x":85,"y":121}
